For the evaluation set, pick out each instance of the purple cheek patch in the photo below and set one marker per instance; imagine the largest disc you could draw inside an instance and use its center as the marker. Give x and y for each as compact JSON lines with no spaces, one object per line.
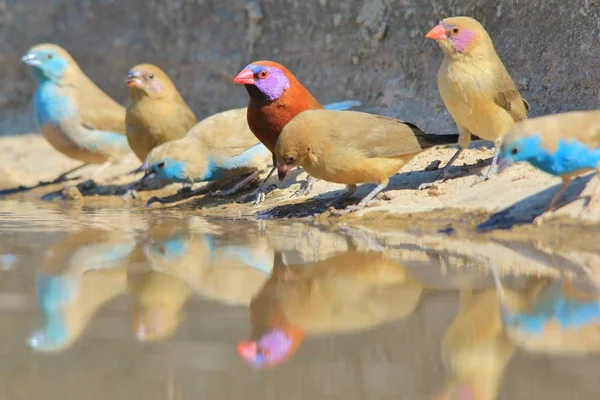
{"x":462,"y":41}
{"x":274,"y":85}
{"x":276,"y":343}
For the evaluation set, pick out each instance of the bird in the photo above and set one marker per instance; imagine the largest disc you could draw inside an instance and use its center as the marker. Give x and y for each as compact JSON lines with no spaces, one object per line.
{"x":475,"y":351}
{"x":156,"y":112}
{"x":73,"y":114}
{"x":475,"y":86}
{"x":218,"y":148}
{"x":560,"y":319}
{"x":565,"y":144}
{"x":351,"y":147}
{"x":349,"y":292}
{"x":79,"y":274}
{"x":275,"y":97}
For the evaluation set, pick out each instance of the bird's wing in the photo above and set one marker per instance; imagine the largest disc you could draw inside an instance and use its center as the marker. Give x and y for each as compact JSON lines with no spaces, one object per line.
{"x":375,"y":135}
{"x":97,"y":110}
{"x":508,"y":97}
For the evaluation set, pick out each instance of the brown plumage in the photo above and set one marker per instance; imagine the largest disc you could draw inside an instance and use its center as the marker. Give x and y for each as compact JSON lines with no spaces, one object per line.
{"x":351,"y":147}
{"x":156,"y":113}
{"x":474,"y":84}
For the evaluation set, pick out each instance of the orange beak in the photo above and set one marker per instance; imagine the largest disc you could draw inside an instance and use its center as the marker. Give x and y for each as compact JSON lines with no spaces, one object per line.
{"x":437,"y":33}
{"x":245,"y":77}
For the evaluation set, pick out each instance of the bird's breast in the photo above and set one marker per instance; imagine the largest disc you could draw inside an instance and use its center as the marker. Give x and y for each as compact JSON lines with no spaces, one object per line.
{"x":50,"y":106}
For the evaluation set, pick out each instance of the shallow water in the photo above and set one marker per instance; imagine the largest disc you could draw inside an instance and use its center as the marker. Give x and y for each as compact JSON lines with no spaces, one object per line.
{"x":125,"y":304}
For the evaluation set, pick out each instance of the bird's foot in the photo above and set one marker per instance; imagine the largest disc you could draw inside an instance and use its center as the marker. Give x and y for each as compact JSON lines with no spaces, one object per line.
{"x":305,"y":188}
{"x":261,"y":194}
{"x":130,"y":194}
{"x":493,"y":170}
{"x":539,"y":220}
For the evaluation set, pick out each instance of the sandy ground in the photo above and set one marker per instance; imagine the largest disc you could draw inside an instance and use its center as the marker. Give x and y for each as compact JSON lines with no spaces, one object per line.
{"x":514,"y":197}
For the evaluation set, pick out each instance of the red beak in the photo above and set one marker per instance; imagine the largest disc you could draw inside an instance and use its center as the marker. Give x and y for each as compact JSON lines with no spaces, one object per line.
{"x":245,"y":77}
{"x":247,"y":350}
{"x":437,"y":33}
{"x":282,"y":171}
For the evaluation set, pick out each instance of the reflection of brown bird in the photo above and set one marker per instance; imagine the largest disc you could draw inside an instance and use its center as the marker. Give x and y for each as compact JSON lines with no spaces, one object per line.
{"x":80,"y":273}
{"x":349,"y":292}
{"x":156,"y":113}
{"x":475,"y":350}
{"x":159,"y":299}
{"x":351,"y":147}
{"x":474,"y":85}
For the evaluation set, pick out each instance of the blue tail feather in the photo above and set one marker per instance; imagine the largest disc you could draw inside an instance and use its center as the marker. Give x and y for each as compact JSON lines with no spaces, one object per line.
{"x":342,"y":105}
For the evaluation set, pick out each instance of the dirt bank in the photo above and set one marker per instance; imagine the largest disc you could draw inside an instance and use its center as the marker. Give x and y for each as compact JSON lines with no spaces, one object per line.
{"x":511,"y":199}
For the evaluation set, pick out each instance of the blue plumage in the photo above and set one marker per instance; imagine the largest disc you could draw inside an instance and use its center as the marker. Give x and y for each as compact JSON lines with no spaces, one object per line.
{"x":570,"y":155}
{"x":553,"y":305}
{"x":72,"y":113}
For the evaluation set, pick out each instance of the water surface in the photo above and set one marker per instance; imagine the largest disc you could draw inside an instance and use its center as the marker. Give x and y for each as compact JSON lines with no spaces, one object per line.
{"x":121,"y":304}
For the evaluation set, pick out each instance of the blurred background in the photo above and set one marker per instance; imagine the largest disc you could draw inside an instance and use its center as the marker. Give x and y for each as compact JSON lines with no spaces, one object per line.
{"x":370,"y":50}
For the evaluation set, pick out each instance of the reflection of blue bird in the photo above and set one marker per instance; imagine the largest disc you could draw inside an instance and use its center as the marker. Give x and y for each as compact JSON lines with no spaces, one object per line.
{"x":57,"y":294}
{"x":560,"y":319}
{"x":73,"y":114}
{"x":564,"y":145}
{"x":219,"y":147}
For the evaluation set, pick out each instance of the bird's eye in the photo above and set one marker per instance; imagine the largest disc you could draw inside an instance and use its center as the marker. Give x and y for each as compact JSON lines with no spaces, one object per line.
{"x":151,"y":76}
{"x":50,"y":56}
{"x":160,"y":165}
{"x":455,"y":31}
{"x":264,"y":352}
{"x":263,"y":74}
{"x":514,"y":151}
{"x":289,"y":160}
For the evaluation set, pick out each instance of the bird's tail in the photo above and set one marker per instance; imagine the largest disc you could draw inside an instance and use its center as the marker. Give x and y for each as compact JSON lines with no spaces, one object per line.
{"x":342,"y":105}
{"x":436,"y":139}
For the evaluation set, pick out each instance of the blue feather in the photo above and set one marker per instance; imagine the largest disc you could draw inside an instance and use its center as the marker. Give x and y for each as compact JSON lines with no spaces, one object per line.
{"x":342,"y":105}
{"x":555,"y":306}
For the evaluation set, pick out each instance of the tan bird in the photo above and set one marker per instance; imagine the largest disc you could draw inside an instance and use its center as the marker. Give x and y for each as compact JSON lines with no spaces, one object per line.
{"x":156,"y":113}
{"x":351,"y":147}
{"x":475,"y":86}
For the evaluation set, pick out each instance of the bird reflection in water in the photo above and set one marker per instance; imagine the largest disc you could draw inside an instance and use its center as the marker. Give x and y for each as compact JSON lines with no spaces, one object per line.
{"x":79,"y":274}
{"x":346,"y":293}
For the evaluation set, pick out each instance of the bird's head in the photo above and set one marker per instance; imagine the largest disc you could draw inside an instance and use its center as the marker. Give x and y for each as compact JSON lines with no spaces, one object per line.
{"x":167,"y":162}
{"x":459,"y":35}
{"x":456,"y":392}
{"x":48,"y":62}
{"x":520,"y":144}
{"x":294,"y":148}
{"x":148,"y":80}
{"x":265,"y":79}
{"x":271,"y":349}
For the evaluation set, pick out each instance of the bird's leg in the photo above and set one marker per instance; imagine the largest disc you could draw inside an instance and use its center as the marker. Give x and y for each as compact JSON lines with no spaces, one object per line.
{"x":238,"y":186}
{"x":63,"y":177}
{"x":595,"y":195}
{"x":505,"y":312}
{"x":363,"y":203}
{"x":444,"y":174}
{"x":306,"y":187}
{"x":566,"y":179}
{"x":262,"y":189}
{"x":84,"y":185}
{"x":493,"y":168}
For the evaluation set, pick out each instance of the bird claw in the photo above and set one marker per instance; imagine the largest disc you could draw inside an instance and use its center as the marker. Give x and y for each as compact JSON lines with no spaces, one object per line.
{"x":304,"y":190}
{"x":429,"y":185}
{"x":260,"y":197}
{"x":131,"y":193}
